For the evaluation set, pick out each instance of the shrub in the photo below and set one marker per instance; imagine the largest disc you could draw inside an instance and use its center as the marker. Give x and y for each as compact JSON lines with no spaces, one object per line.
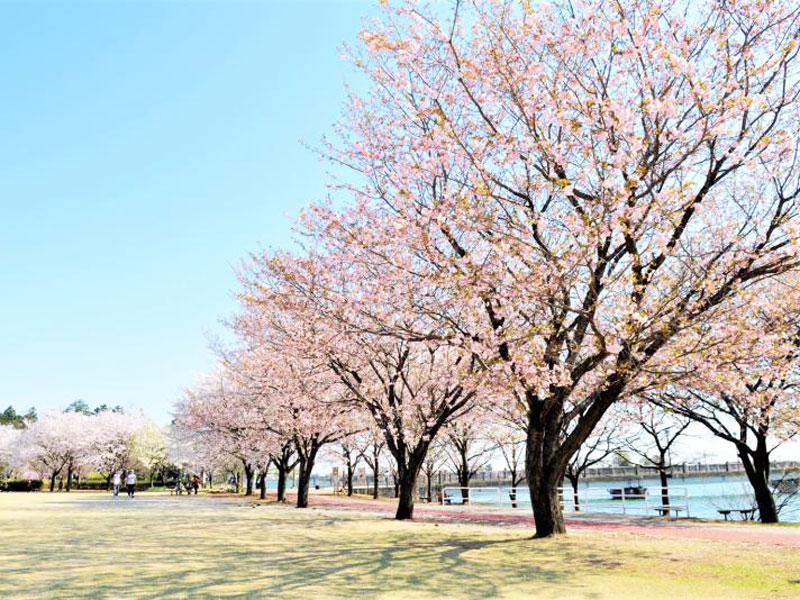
{"x":24,"y":485}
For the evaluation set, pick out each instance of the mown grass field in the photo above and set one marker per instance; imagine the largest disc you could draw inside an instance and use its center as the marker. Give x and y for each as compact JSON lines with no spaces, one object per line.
{"x":86,"y":545}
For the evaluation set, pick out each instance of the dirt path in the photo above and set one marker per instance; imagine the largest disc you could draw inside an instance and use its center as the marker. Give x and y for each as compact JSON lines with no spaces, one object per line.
{"x":748,"y":533}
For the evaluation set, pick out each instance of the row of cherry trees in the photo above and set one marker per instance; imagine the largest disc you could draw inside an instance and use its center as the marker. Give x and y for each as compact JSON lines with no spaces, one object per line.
{"x":553,"y":209}
{"x":66,"y":444}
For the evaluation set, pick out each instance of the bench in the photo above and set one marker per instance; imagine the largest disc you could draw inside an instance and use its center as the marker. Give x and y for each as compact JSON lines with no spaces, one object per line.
{"x":664,"y":511}
{"x":746,"y":514}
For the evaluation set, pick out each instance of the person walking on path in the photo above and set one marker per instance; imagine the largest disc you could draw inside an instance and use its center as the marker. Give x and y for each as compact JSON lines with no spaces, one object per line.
{"x":130,"y":481}
{"x":117,"y":482}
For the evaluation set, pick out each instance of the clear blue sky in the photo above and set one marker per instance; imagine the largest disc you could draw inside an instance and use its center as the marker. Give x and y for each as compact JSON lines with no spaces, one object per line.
{"x":145,"y":148}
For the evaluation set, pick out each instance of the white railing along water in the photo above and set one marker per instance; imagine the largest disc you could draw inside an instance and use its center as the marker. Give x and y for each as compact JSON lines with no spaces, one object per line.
{"x":591,"y":499}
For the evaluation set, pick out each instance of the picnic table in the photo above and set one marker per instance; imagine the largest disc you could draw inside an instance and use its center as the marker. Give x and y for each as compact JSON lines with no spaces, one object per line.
{"x":747,"y":514}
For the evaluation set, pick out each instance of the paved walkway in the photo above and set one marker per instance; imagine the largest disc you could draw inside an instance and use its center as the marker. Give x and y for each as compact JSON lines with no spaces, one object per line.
{"x":748,"y":533}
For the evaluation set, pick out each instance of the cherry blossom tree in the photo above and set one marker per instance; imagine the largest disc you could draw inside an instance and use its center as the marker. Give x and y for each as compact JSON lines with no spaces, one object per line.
{"x":605,"y":441}
{"x":467,"y":450}
{"x":434,"y":464}
{"x":509,"y":441}
{"x":579,"y":183}
{"x":10,"y":438}
{"x":192,"y":452}
{"x":653,"y":440}
{"x":372,"y":446}
{"x":348,"y":450}
{"x":408,"y":389}
{"x":293,"y":400}
{"x":57,"y":441}
{"x":285,"y":460}
{"x":149,"y":448}
{"x":112,"y":440}
{"x":217,"y":411}
{"x":745,"y":391}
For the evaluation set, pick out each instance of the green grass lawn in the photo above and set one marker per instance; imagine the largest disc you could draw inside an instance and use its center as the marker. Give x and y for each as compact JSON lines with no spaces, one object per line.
{"x":85,"y":545}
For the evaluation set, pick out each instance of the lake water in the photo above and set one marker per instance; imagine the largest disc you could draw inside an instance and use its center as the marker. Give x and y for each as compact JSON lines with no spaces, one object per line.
{"x":703,"y":495}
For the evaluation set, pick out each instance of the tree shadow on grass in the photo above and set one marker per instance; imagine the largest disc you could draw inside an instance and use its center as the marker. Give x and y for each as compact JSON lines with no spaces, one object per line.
{"x":230,"y":551}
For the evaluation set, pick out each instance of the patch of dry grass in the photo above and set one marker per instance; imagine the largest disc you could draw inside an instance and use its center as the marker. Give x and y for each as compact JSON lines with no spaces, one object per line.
{"x":90,"y":546}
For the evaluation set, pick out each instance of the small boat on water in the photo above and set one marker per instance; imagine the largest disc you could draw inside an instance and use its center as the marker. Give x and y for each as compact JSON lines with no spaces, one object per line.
{"x":634,"y":491}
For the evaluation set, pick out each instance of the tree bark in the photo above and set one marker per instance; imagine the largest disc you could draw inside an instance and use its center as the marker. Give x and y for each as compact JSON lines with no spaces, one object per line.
{"x":69,"y":477}
{"x":248,"y":475}
{"x":514,"y":483}
{"x":573,"y":480}
{"x":405,"y":503}
{"x":349,"y":479}
{"x":263,"y":485}
{"x":548,"y":453}
{"x":304,"y":480}
{"x":429,"y":487}
{"x":281,"y":483}
{"x":544,"y":476}
{"x":283,"y":463}
{"x":464,"y":478}
{"x":547,"y":512}
{"x":303,"y":483}
{"x":407,"y":481}
{"x":662,"y":472}
{"x":756,"y":466}
{"x":53,"y":481}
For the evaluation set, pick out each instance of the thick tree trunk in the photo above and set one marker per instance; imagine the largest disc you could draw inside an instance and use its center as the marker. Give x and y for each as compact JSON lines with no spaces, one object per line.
{"x":544,"y":476}
{"x":405,"y":503}
{"x":248,"y":475}
{"x":304,"y":481}
{"x":53,"y":481}
{"x":463,"y":481}
{"x":263,"y":486}
{"x":407,"y":481}
{"x":349,"y":480}
{"x":662,"y":472}
{"x":69,"y":477}
{"x":302,"y":486}
{"x":281,"y":483}
{"x":375,"y":482}
{"x":548,"y":453}
{"x":108,"y":482}
{"x":756,"y":466}
{"x":546,"y":504}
